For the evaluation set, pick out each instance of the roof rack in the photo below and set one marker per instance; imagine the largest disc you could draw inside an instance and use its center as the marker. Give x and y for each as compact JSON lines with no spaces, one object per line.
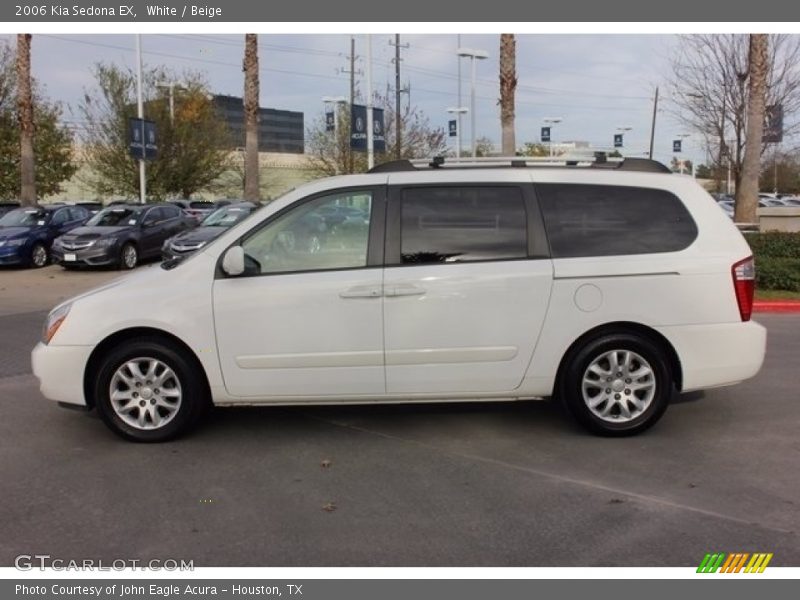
{"x":599,"y":161}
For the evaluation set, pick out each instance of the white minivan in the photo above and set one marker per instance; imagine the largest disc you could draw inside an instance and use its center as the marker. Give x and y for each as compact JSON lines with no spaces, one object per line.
{"x":609,"y":285}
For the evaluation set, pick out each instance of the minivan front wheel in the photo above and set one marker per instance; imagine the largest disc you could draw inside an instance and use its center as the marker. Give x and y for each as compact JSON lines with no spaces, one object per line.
{"x":617,"y":384}
{"x":146,"y":391}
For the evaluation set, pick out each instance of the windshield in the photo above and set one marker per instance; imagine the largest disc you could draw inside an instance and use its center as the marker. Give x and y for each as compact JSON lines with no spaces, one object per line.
{"x":226,"y":216}
{"x":118,"y":216}
{"x":25,"y":217}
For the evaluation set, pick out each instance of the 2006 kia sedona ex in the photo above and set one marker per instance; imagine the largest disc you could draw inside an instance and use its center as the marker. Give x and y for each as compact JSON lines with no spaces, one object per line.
{"x":610,"y":285}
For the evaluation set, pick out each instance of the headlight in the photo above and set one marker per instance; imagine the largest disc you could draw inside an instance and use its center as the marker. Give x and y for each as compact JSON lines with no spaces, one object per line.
{"x":54,"y":321}
{"x":17,"y":242}
{"x":104,"y":242}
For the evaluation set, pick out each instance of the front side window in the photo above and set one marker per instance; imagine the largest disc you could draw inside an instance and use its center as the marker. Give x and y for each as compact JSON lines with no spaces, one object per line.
{"x":603,"y":220}
{"x":60,"y":217}
{"x":313,"y":237}
{"x":462,"y":224}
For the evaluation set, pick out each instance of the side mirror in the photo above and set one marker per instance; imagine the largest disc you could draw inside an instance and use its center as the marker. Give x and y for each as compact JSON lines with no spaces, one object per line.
{"x":233,"y":261}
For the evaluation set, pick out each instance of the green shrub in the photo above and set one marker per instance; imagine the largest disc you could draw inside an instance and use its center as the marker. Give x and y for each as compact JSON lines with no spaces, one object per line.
{"x":777,"y":257}
{"x":778,"y":274}
{"x":774,"y":244}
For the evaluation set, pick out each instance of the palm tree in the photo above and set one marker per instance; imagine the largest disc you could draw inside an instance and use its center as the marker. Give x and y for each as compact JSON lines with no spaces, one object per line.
{"x":25,"y":111}
{"x":251,"y":89}
{"x":508,"y":86}
{"x":747,"y":191}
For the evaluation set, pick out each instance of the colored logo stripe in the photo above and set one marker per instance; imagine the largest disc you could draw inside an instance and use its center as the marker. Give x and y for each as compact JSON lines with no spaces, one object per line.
{"x":758,"y":563}
{"x":735,"y":562}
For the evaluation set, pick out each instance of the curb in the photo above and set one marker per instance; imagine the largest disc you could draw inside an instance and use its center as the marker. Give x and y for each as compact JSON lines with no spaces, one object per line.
{"x":777,"y":306}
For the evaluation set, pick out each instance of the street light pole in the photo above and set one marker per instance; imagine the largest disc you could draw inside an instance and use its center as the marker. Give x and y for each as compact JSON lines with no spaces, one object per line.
{"x":140,"y":113}
{"x":653,"y":127}
{"x":171,"y":88}
{"x":458,"y":110}
{"x":552,"y":121}
{"x":473,"y":56}
{"x":370,"y":133}
{"x":683,"y":136}
{"x":624,"y":130}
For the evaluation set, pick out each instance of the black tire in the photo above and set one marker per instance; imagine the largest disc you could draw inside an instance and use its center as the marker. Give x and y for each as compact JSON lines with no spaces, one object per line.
{"x":128,"y":256}
{"x":194,"y":396}
{"x":616,"y":423}
{"x":39,"y":255}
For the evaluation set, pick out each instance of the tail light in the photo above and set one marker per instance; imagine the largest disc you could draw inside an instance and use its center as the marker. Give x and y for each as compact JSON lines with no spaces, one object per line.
{"x":744,"y":282}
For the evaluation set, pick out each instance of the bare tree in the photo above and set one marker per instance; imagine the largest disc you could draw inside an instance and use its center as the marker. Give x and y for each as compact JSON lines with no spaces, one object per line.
{"x":758,"y":69}
{"x":329,"y":152}
{"x":508,"y":87}
{"x":251,"y":90}
{"x":27,"y":162}
{"x":710,"y":96}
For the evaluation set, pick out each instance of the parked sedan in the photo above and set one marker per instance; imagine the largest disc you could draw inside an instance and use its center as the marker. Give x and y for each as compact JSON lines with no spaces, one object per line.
{"x":120,"y":235}
{"x":212,"y":227}
{"x":197,"y":209}
{"x":27,"y":234}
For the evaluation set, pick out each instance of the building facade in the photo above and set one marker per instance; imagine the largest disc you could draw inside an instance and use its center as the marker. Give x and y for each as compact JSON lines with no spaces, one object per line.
{"x":278,"y":130}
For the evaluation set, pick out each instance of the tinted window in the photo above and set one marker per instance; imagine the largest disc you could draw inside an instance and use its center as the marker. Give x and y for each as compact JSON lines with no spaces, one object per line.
{"x":457,"y":224}
{"x":595,"y":220}
{"x":76,"y":213}
{"x":154,"y":215}
{"x":60,"y":217}
{"x":169,"y":212}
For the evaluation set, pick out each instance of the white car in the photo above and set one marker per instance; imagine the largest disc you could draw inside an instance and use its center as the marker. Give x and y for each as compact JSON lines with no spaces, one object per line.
{"x":610,"y":285}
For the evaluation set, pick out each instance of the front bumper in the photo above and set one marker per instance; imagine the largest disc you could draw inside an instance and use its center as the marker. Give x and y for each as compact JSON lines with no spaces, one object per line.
{"x":12,"y":255}
{"x":60,"y":372}
{"x":91,"y":256}
{"x":168,"y":253}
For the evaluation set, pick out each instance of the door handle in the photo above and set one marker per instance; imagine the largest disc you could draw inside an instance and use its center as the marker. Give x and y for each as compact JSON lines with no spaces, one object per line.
{"x":404,"y":289}
{"x":362,"y":291}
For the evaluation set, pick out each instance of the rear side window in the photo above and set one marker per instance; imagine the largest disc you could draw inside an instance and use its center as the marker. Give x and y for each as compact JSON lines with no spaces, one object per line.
{"x":170,"y":212}
{"x":461,"y":224}
{"x":597,"y":220}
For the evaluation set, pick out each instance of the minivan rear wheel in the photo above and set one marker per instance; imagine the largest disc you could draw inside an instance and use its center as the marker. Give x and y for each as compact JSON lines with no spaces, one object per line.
{"x":617,"y":384}
{"x":146,"y":391}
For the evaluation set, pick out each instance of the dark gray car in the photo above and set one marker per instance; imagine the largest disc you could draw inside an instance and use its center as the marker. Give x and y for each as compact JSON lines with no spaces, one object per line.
{"x":120,"y":235}
{"x":211,"y":228}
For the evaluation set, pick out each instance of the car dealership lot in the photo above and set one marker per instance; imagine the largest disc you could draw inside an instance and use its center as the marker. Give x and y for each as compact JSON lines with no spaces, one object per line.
{"x":469,"y":484}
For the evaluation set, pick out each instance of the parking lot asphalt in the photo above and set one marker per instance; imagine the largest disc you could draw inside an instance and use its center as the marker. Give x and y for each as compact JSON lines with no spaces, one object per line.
{"x":513,"y":484}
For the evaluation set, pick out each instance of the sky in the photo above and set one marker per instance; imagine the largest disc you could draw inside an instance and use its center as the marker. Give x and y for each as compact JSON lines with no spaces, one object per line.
{"x":596,"y":83}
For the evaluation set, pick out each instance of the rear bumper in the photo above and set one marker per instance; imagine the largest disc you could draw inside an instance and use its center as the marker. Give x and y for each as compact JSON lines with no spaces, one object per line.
{"x":716,"y":355}
{"x":60,"y":372}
